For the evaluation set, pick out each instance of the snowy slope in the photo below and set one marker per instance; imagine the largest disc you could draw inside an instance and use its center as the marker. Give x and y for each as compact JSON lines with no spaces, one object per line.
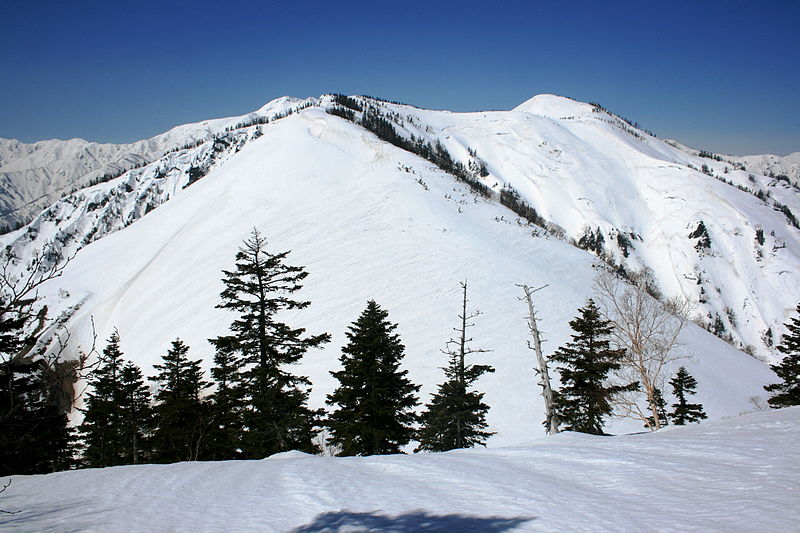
{"x":368,"y":220}
{"x":734,"y":475}
{"x":588,"y":173}
{"x":788,"y":165}
{"x":586,"y":170}
{"x":33,"y":176}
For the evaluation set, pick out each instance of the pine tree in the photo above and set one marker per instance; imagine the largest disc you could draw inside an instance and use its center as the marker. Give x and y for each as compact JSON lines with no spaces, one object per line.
{"x":661,"y":409}
{"x":788,"y":392}
{"x":374,"y":399}
{"x":135,"y":415}
{"x":683,"y":412}
{"x":224,"y":439}
{"x":35,"y":436}
{"x":456,"y":416}
{"x":277,"y":418}
{"x":584,"y":398}
{"x":102,"y":422}
{"x":181,"y":414}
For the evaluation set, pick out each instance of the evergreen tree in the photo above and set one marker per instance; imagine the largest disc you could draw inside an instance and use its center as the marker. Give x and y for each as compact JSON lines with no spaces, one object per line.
{"x":661,"y":409}
{"x":683,"y":412}
{"x":584,"y":398}
{"x":35,"y":436}
{"x":135,"y":415}
{"x":277,"y":417}
{"x":102,"y":422}
{"x":181,"y":414}
{"x":224,"y":439}
{"x":456,"y":416}
{"x":374,"y":399}
{"x":788,"y":392}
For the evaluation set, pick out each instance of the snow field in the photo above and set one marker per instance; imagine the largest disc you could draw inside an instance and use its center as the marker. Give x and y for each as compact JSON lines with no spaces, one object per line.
{"x":733,"y":475}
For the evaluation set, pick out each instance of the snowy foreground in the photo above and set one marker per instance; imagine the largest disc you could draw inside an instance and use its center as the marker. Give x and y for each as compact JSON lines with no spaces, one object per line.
{"x":736,"y":474}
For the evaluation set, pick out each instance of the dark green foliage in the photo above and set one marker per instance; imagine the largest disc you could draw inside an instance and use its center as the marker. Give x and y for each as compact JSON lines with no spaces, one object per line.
{"x":787,"y":212}
{"x":342,"y":112}
{"x":788,"y":392}
{"x":584,"y":363}
{"x":182,"y":416}
{"x":374,"y":400}
{"x":117,"y":415}
{"x":135,"y":415}
{"x":382,"y":126}
{"x":277,"y":418}
{"x":760,"y":236}
{"x":35,"y":392}
{"x":592,"y":240}
{"x":224,"y":439}
{"x":701,"y":234}
{"x":709,"y":155}
{"x":348,"y":102}
{"x":35,"y":437}
{"x":661,"y":410}
{"x":456,"y":416}
{"x":510,"y":198}
{"x":683,"y":412}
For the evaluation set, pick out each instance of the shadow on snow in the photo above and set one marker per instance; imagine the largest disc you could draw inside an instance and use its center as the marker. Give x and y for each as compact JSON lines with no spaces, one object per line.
{"x":344,"y":521}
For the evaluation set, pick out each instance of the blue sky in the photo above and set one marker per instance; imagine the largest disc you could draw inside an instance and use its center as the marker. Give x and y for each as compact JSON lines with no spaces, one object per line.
{"x":722,"y":76}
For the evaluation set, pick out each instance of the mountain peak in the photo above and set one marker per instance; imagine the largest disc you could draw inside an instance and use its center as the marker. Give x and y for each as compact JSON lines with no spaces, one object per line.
{"x":554,"y":106}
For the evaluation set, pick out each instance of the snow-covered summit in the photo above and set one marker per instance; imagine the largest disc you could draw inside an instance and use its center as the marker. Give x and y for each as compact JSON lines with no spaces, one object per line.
{"x":554,"y":106}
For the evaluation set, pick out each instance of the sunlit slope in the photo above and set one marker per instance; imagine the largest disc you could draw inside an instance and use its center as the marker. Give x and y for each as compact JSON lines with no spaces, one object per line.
{"x":368,"y":221}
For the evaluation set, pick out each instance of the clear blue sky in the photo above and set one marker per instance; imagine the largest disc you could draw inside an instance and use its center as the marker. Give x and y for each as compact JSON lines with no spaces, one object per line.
{"x":722,"y":76}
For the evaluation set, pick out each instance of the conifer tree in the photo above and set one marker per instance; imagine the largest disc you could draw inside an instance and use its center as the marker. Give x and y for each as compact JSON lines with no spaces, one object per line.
{"x":683,"y":412}
{"x":456,"y":416}
{"x":181,"y":413}
{"x":374,"y":400}
{"x":102,"y":422}
{"x":224,"y":439}
{"x":787,"y":393}
{"x":135,"y":415}
{"x":585,"y":396}
{"x":661,"y":410}
{"x":277,"y":417}
{"x":35,"y":436}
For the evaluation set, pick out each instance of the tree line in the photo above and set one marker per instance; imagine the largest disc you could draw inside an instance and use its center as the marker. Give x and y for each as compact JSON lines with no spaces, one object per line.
{"x":253,"y":405}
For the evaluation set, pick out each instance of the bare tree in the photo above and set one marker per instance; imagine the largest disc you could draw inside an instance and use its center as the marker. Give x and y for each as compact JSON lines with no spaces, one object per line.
{"x":551,"y":420}
{"x":648,"y":330}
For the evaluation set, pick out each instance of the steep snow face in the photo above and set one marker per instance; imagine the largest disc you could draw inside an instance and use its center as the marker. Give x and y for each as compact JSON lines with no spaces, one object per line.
{"x":33,"y":176}
{"x":734,"y":475}
{"x":368,"y":221}
{"x":721,"y":237}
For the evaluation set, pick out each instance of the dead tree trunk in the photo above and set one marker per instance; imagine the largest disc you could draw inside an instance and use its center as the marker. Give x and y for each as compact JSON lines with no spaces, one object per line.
{"x":551,"y":421}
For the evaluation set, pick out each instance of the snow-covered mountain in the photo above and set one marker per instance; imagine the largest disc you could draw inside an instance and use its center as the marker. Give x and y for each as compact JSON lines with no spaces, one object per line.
{"x":733,"y":475}
{"x":33,"y":176}
{"x":374,"y":219}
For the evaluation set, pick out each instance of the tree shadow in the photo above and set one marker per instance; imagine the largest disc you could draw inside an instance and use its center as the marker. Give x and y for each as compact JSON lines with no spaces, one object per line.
{"x":416,"y":521}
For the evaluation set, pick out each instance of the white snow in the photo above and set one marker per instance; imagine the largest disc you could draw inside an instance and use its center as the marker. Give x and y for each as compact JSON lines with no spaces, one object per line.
{"x":354,"y":213}
{"x":734,"y":475}
{"x":32,"y":176}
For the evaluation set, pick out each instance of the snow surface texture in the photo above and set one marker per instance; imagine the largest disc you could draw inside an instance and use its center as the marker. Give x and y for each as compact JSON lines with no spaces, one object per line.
{"x":367,"y":220}
{"x":733,"y":475}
